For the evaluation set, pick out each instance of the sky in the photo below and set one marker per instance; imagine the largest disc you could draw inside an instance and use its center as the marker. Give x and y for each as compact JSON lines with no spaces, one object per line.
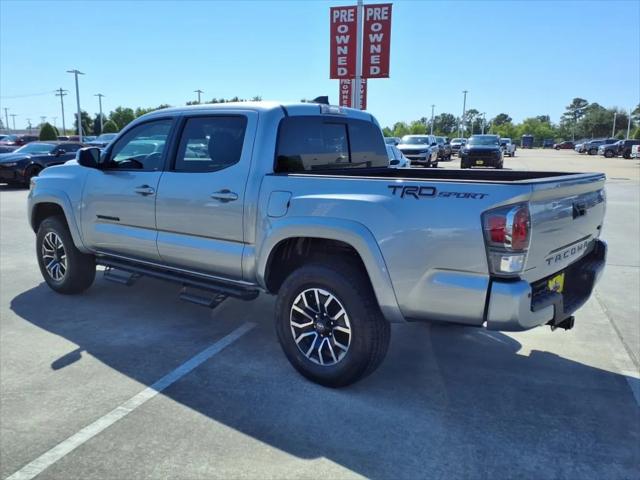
{"x":521,"y":58}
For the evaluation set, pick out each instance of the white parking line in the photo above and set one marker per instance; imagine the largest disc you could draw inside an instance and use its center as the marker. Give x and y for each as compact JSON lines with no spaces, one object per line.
{"x":87,"y":433}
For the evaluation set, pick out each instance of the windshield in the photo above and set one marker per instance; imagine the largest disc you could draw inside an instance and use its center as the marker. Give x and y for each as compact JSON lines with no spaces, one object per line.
{"x":483,"y":140}
{"x":36,"y":148}
{"x":415,"y":140}
{"x":10,"y":138}
{"x":107,"y":137}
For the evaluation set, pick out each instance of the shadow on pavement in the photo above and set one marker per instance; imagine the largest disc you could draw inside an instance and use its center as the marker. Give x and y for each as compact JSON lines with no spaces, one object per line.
{"x":448,"y":401}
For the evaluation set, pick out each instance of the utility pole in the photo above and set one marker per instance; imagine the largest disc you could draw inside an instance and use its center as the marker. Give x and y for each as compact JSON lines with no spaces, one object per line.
{"x":13,"y":117}
{"x":42,"y":119}
{"x":464,"y":113}
{"x":61,"y":93}
{"x":29,"y":124}
{"x":6,"y":117}
{"x":613,"y":130}
{"x":357,"y":81}
{"x":99,"y":95}
{"x":484,"y":121}
{"x":432,"y":107}
{"x":629,"y":125}
{"x":198,"y":92}
{"x":77,"y":72}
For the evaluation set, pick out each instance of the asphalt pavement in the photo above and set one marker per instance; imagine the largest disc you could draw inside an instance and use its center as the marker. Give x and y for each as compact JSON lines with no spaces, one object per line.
{"x":129,"y":382}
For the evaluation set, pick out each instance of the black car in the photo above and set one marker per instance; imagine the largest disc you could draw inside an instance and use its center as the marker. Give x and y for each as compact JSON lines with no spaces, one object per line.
{"x":102,"y":140}
{"x":592,"y":147}
{"x":482,"y":151}
{"x":10,"y":143}
{"x":444,"y":149}
{"x":19,"y":166}
{"x":624,"y":150}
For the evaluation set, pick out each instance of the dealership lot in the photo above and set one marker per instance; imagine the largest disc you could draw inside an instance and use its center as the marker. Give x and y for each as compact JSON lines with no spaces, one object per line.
{"x":448,"y":401}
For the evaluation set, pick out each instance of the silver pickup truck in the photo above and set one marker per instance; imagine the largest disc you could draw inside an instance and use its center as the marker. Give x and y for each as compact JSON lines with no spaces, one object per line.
{"x":298,"y":201}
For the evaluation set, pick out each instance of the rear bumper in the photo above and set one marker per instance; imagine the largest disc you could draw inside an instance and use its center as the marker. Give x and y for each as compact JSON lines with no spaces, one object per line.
{"x":519,"y":305}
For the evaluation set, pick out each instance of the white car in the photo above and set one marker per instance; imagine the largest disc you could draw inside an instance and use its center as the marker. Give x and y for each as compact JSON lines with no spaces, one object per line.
{"x":397,"y":158}
{"x":508,"y":147}
{"x":635,"y":151}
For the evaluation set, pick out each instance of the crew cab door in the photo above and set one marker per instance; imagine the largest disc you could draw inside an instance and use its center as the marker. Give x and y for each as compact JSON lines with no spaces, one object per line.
{"x":200,"y":203}
{"x":119,"y":200}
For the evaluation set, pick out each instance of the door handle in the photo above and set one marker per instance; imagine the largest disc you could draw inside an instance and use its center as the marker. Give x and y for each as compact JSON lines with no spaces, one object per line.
{"x":225,"y":195}
{"x":144,"y":190}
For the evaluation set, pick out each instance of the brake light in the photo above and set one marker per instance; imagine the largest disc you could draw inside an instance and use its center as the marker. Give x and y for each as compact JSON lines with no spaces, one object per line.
{"x":507,"y":231}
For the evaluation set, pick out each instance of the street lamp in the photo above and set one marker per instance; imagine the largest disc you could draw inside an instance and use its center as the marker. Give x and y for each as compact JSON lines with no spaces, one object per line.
{"x":464,"y":113}
{"x":432,"y":107}
{"x":6,"y":118}
{"x":99,"y":95}
{"x":484,"y":121}
{"x":76,"y":73}
{"x":61,"y":93}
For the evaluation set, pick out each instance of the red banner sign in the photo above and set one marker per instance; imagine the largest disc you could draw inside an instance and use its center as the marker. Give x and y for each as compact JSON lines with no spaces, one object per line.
{"x":344,"y":34}
{"x":376,"y":41}
{"x":346,"y":87}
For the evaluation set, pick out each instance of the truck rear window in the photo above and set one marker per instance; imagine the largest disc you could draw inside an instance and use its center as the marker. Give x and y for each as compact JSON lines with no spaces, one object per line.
{"x":328,"y":143}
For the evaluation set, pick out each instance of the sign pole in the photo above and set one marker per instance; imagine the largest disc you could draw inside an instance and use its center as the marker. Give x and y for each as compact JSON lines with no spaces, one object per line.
{"x":355,"y":85}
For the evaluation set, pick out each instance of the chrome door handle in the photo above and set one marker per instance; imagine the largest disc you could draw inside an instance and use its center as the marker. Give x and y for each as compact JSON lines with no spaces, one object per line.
{"x":144,"y":190}
{"x":225,"y":195}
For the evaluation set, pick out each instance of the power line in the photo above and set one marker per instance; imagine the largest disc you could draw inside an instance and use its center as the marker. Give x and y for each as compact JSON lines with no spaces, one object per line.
{"x":48,"y":92}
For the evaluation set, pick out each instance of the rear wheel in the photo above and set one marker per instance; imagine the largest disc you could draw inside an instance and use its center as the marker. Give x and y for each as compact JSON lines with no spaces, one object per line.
{"x":65,"y":268}
{"x":593,"y":151}
{"x":33,"y":171}
{"x":329,"y":324}
{"x":608,"y":153}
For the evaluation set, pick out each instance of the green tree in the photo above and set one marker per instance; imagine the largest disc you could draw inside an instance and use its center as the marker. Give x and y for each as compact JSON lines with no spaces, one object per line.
{"x":110,"y":127}
{"x":387,"y":132}
{"x":636,"y":134}
{"x":96,"y":123}
{"x":417,"y":127}
{"x":445,"y":124}
{"x":87,"y":123}
{"x":47,"y":132}
{"x":500,"y":119}
{"x":574,"y":112}
{"x":122,"y":116}
{"x":400,"y":129}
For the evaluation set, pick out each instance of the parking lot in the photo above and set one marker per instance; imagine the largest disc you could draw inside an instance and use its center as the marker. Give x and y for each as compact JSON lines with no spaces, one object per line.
{"x":447,"y":402}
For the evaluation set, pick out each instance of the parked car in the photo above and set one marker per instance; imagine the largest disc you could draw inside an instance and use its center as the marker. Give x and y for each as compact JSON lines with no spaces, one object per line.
{"x":13,"y":142}
{"x":397,"y":158}
{"x":626,"y":146}
{"x":346,"y":253}
{"x":21,"y":165}
{"x":102,"y":140}
{"x":482,"y":151}
{"x":592,"y":147}
{"x":508,"y":147}
{"x":635,"y":151}
{"x":63,"y":138}
{"x":444,"y":149}
{"x":391,"y":140}
{"x":610,"y":150}
{"x":420,"y":149}
{"x":566,"y":145}
{"x":457,"y":144}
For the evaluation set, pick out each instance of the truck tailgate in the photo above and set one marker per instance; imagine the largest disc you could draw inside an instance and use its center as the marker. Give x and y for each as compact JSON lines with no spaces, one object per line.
{"x":566,"y":217}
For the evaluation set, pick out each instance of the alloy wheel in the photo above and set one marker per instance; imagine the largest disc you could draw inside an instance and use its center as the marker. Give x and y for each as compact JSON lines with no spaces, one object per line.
{"x":54,"y":256}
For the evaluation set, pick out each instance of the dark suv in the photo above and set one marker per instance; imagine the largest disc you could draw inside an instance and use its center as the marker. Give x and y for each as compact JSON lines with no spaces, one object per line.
{"x":482,"y":151}
{"x":444,"y":149}
{"x":592,"y":147}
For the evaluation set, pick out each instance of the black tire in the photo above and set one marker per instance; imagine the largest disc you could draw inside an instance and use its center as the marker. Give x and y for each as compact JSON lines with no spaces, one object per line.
{"x":608,"y":154}
{"x":79,"y":268}
{"x":370,"y":332}
{"x":593,"y":151}
{"x":31,"y":172}
{"x":434,"y":164}
{"x":626,"y":155}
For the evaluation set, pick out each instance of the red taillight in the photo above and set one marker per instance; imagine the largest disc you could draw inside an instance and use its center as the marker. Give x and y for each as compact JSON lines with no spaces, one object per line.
{"x":520,"y":229}
{"x":497,"y":225}
{"x":508,"y":227}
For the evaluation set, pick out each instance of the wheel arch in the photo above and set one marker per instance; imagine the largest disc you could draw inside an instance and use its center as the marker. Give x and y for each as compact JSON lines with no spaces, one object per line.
{"x":325,"y":235}
{"x":47,"y":204}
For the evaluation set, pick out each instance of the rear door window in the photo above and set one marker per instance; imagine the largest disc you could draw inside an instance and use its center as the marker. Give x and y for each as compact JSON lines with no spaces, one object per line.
{"x":320,"y":143}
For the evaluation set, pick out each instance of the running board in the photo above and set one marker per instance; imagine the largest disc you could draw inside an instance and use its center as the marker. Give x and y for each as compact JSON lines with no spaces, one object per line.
{"x":217,"y":286}
{"x":206,"y":301}
{"x":121,"y":277}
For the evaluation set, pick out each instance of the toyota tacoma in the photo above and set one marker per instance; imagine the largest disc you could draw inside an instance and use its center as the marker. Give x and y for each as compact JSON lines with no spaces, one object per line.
{"x":297,"y":201}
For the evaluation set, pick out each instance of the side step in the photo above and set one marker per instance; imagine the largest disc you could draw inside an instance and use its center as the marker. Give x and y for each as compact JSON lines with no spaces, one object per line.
{"x":129,"y":272}
{"x":210,"y":302}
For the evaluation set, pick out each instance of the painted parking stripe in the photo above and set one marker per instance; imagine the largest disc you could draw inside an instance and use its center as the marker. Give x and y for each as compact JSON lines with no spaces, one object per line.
{"x":87,"y":433}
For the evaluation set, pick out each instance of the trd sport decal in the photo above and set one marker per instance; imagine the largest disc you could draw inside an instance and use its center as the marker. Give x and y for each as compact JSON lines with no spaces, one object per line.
{"x":418,"y":192}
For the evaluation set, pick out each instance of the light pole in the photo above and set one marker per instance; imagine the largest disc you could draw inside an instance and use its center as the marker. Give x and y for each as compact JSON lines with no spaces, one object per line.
{"x":13,"y":117}
{"x":29,"y":124}
{"x":198,"y":92}
{"x":464,"y":112}
{"x":99,"y":95}
{"x":61,"y":93}
{"x":6,"y":118}
{"x":76,"y":73}
{"x":432,"y":107}
{"x":629,"y":124}
{"x":613,"y":130}
{"x":356,"y":84}
{"x":484,"y":121}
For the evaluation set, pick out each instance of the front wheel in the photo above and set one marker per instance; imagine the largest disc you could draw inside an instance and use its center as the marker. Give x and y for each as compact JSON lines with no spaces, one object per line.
{"x":65,"y":268}
{"x":329,"y":324}
{"x":593,"y":151}
{"x":608,"y":154}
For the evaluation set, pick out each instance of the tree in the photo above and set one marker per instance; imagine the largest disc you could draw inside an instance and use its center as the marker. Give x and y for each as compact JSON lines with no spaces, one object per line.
{"x":575,"y":111}
{"x":500,"y":119}
{"x":122,"y":116}
{"x":110,"y":127}
{"x":417,"y":127}
{"x":47,"y":132}
{"x":96,"y":123}
{"x":86,"y":122}
{"x":445,"y":124}
{"x":400,"y":129}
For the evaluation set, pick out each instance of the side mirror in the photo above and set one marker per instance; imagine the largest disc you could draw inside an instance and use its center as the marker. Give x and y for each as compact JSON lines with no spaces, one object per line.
{"x":434,"y":144}
{"x":89,"y":157}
